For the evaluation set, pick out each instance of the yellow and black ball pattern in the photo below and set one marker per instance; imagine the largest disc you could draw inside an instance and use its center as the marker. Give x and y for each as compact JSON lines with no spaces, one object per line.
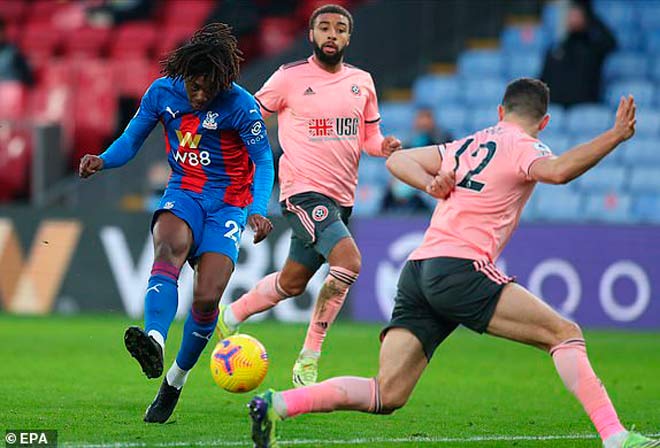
{"x":239,"y":363}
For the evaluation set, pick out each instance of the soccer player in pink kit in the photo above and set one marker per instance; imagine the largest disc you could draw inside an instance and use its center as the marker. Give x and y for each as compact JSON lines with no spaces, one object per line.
{"x":328,"y":113}
{"x":451,"y":279}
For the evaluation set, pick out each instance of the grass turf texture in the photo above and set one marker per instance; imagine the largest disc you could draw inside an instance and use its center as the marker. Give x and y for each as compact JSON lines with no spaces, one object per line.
{"x":73,"y":375}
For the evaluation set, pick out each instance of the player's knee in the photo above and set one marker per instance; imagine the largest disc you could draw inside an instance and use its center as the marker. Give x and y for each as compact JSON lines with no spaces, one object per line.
{"x":208,"y":292}
{"x":392,"y":401}
{"x":170,"y":251}
{"x":346,"y":255}
{"x":570,"y":330}
{"x":352,"y":262}
{"x":564,"y":331}
{"x":292,"y":285}
{"x":391,"y":395}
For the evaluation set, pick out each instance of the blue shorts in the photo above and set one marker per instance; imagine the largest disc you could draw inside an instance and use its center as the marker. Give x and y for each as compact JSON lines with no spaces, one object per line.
{"x":216,"y":226}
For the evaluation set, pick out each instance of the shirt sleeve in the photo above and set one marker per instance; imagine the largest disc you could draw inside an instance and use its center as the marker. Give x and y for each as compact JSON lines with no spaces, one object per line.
{"x":272,"y":95}
{"x":252,"y":129}
{"x":122,"y":150}
{"x":371,"y":114}
{"x":527,"y":151}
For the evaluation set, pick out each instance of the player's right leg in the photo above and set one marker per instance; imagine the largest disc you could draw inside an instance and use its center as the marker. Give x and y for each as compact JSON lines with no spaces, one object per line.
{"x":522,"y":317}
{"x":291,"y":281}
{"x":402,"y":361}
{"x":172,"y":241}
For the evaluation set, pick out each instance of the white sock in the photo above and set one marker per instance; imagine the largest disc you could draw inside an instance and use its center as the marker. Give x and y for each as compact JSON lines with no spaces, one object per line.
{"x":615,"y":440}
{"x":310,"y":354}
{"x":158,"y":338}
{"x":279,"y":405}
{"x":230,"y":319}
{"x":176,"y":376}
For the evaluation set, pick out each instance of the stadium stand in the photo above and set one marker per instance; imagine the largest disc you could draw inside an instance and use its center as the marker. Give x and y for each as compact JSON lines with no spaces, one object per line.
{"x":84,"y":70}
{"x":619,"y":189}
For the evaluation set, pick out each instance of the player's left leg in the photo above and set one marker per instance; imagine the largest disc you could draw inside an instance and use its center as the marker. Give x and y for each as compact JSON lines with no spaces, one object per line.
{"x":522,"y":317}
{"x":212,"y":274}
{"x":215,"y":258}
{"x":345,"y":263}
{"x":402,"y":361}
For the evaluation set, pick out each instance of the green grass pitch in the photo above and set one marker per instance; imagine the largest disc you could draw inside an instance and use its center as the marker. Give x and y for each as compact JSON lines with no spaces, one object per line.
{"x":73,"y":375}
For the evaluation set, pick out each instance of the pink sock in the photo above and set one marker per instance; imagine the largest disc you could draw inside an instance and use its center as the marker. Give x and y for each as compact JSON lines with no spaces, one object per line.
{"x":341,"y":393}
{"x":331,"y":298}
{"x":265,"y":295}
{"x":573,"y":366}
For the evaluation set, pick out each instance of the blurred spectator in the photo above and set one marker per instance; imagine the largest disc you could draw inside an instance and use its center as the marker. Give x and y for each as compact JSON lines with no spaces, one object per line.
{"x":425,"y":131}
{"x":403,"y":200}
{"x":114,"y":12}
{"x":572,"y":69}
{"x":13,"y":65}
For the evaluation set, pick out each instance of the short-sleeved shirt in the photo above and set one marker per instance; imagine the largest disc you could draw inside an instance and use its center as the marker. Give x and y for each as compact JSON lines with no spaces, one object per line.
{"x":492,"y":186}
{"x":321,"y":117}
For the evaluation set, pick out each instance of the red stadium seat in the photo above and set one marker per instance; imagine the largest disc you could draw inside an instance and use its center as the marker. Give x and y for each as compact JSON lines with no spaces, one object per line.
{"x":133,"y":40}
{"x":170,"y":38}
{"x":42,"y":11}
{"x":187,"y":13}
{"x":133,"y":76}
{"x":13,"y":100}
{"x":87,"y":42}
{"x":12,"y":11}
{"x":40,"y":41}
{"x":15,"y":161}
{"x":276,"y":34}
{"x":94,"y":106}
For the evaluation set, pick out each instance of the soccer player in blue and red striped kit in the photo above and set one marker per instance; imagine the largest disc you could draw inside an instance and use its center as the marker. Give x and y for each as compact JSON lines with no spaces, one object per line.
{"x":222,"y":177}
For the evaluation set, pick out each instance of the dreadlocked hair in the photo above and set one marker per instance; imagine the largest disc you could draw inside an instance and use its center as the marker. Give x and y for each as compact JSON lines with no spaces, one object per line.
{"x":212,"y":52}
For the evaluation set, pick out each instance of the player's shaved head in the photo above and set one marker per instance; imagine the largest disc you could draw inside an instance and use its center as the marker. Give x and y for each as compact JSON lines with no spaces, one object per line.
{"x":527,"y":98}
{"x":212,"y":52}
{"x":331,"y":9}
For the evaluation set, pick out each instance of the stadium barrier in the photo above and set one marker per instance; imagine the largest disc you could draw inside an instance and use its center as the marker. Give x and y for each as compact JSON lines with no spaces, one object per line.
{"x":600,"y":276}
{"x":96,"y":260}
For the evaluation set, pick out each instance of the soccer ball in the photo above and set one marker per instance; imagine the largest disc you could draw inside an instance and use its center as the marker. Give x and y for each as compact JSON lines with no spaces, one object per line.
{"x":239,"y":363}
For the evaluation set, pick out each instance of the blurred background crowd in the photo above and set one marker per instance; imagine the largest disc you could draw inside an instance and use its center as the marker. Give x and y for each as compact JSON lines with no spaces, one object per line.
{"x":72,"y":73}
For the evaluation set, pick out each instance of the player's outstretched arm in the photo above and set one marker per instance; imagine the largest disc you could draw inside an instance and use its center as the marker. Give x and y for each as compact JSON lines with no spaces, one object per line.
{"x":575,"y":162}
{"x":129,"y":142}
{"x":420,"y":168}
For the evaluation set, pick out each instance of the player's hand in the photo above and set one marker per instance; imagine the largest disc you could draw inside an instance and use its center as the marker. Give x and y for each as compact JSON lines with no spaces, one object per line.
{"x":261,"y":226}
{"x":624,"y":124}
{"x":390,"y":144}
{"x":442,"y":184}
{"x":89,"y":165}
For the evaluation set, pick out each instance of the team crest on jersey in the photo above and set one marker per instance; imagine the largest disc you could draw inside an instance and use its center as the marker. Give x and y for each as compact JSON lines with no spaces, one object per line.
{"x":319,"y":213}
{"x":355,"y":89}
{"x":542,"y":149}
{"x":209,"y":121}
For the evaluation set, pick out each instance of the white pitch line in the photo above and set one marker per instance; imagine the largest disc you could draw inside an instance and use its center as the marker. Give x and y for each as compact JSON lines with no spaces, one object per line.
{"x":322,"y":442}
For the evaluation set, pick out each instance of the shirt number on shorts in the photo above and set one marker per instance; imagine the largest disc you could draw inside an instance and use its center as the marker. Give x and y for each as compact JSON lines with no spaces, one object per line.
{"x":234,"y":232}
{"x":468,"y":181}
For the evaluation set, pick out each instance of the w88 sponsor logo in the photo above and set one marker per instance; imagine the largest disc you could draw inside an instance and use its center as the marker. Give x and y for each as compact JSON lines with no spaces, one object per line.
{"x":192,"y":158}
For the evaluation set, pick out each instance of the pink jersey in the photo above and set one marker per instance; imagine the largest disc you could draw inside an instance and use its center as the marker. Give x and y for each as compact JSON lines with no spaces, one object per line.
{"x":492,"y":187}
{"x":321,"y":118}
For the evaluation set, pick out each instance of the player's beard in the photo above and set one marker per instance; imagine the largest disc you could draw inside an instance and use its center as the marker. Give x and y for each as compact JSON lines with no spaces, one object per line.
{"x":328,"y":59}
